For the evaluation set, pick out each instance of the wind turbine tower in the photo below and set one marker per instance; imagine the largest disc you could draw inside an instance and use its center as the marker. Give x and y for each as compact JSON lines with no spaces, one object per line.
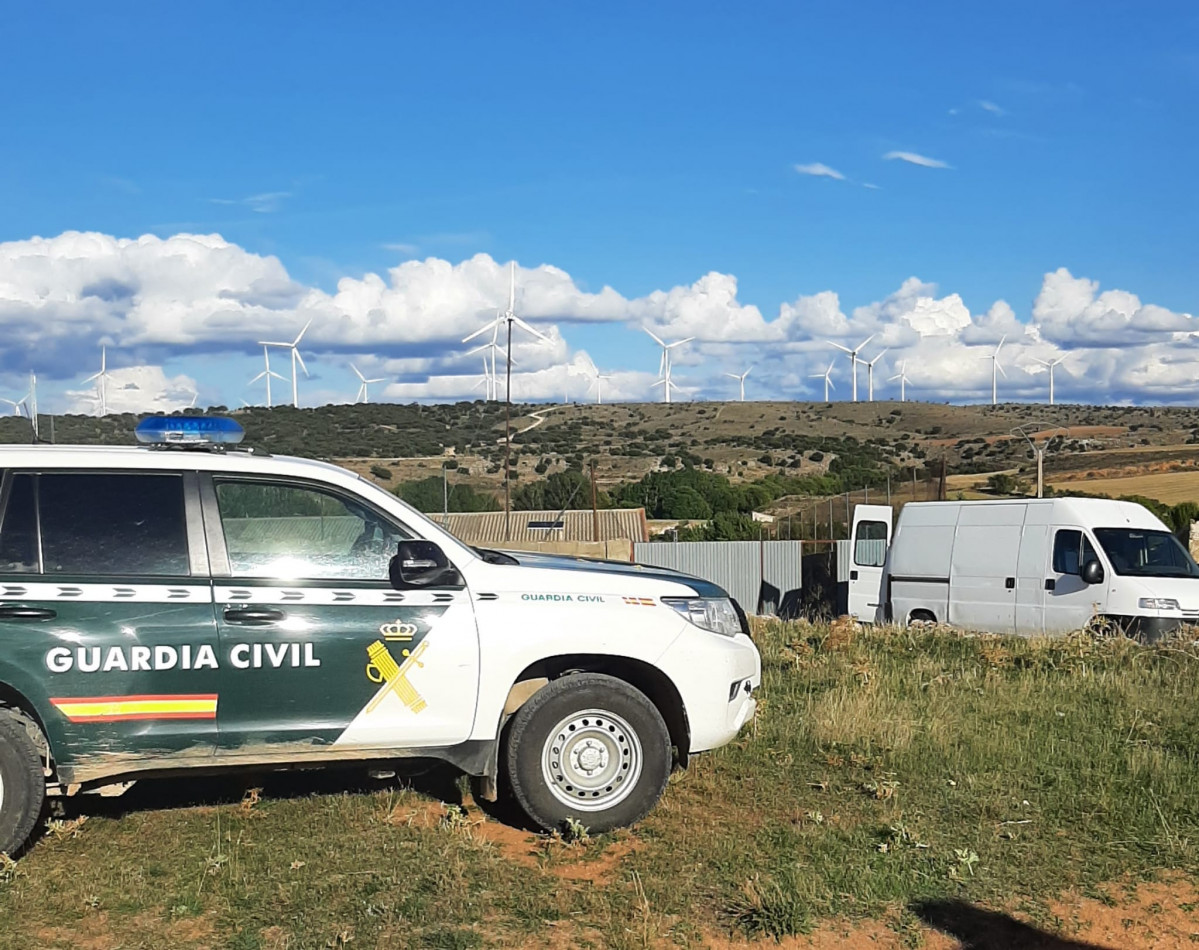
{"x":853,"y":360}
{"x":664,"y":379}
{"x":363,"y":396}
{"x":267,"y":373}
{"x":996,"y":371}
{"x":902,"y":376}
{"x":870,"y":376}
{"x":101,"y":379}
{"x":741,"y":379}
{"x":827,"y":376}
{"x":1050,"y":364}
{"x":294,"y":346}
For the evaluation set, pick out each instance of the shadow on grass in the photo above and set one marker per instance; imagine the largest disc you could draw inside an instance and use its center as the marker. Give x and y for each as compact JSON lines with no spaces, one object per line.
{"x":979,"y":929}
{"x":432,"y":778}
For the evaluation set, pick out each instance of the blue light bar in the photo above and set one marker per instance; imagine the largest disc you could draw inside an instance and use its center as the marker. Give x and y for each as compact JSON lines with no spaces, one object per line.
{"x":188,"y":430}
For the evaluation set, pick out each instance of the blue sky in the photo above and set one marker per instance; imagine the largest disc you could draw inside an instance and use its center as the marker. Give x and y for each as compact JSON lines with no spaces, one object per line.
{"x":639,"y":147}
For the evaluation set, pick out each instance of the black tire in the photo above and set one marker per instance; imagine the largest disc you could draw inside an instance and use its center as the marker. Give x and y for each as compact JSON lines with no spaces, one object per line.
{"x":617,"y":717}
{"x":22,"y":782}
{"x":922,"y":617}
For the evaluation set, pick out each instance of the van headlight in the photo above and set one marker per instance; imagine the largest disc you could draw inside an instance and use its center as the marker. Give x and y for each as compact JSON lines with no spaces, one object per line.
{"x":1158,"y":603}
{"x":708,"y":613}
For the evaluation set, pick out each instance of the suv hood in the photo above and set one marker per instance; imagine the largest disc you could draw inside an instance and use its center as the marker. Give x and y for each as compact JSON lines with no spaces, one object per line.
{"x":566,"y":563}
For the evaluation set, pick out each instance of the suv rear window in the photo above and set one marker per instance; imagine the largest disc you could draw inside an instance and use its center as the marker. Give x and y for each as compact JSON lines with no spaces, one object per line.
{"x":96,"y":524}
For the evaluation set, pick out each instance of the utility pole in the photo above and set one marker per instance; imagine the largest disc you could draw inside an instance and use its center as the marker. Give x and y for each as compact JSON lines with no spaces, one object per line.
{"x":445,"y":496}
{"x":595,"y":531}
{"x":1040,"y":455}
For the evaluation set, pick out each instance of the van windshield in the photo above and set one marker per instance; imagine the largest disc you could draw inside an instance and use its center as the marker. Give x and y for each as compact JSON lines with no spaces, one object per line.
{"x":1146,"y":553}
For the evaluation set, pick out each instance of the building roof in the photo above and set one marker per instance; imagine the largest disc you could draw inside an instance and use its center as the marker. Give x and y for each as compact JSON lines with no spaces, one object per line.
{"x":489,"y":527}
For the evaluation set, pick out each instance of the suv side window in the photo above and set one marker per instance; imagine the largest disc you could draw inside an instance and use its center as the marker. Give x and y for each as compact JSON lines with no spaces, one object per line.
{"x":18,"y":535}
{"x":297,"y":532}
{"x":112,"y":523}
{"x":871,"y":547}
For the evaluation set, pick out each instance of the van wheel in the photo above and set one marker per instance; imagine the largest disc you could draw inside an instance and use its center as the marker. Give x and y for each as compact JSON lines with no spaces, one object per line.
{"x":22,"y":782}
{"x":922,"y":618}
{"x":587,"y":748}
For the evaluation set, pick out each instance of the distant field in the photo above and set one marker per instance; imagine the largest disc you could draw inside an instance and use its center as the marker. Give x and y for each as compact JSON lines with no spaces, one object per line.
{"x":893,"y":780}
{"x":1168,"y":487}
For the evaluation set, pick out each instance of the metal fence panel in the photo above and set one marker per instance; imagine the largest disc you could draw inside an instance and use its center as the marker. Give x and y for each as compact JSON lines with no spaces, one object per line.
{"x":844,"y":561}
{"x":761,"y":576}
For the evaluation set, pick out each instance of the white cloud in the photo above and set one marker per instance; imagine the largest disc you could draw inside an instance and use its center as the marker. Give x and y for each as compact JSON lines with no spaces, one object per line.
{"x":157,"y":299}
{"x":265,"y":203}
{"x":819,"y":170}
{"x":991,"y":107}
{"x":138,"y":389}
{"x":914,"y":158}
{"x":408,"y":250}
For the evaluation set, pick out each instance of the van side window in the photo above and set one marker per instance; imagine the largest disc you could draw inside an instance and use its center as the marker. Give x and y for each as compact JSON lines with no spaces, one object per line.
{"x":1071,"y":550}
{"x":18,"y":536}
{"x":113,"y":523}
{"x":870,"y":547}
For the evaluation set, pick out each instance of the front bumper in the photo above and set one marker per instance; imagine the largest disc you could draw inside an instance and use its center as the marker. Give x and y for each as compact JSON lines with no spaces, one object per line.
{"x":716,"y":677}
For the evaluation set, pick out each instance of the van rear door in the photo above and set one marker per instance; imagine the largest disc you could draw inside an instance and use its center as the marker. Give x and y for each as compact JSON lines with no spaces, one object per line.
{"x":871,"y":536}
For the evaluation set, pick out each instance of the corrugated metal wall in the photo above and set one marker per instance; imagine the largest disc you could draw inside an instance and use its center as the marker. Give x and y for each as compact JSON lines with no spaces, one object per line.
{"x":765,"y":577}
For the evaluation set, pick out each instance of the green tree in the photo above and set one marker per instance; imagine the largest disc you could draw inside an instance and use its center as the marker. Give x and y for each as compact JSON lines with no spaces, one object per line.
{"x":427,"y":495}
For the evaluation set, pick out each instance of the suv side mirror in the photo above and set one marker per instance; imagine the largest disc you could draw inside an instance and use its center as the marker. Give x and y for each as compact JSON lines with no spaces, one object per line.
{"x":1092,"y":573}
{"x":422,"y":564}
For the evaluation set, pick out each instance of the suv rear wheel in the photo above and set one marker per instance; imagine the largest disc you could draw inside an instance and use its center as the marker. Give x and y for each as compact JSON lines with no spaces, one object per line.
{"x":22,"y":782}
{"x":587,"y":748}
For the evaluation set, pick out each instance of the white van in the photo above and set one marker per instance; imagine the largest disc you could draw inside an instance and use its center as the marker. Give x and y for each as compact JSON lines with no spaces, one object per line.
{"x":1043,"y":566}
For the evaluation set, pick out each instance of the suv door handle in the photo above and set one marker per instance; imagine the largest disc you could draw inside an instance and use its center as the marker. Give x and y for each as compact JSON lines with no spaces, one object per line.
{"x":253,"y":616}
{"x":14,"y":612}
{"x":1051,"y":583}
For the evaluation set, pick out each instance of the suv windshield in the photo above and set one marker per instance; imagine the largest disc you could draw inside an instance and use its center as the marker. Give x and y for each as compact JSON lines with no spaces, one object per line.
{"x":1146,"y":553}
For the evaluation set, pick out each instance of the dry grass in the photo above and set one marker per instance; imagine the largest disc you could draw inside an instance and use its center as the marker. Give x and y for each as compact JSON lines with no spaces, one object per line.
{"x":1168,"y":487}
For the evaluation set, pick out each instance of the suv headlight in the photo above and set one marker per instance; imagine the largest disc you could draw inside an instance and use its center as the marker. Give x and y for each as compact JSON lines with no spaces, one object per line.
{"x":1158,"y":603}
{"x":709,"y":613}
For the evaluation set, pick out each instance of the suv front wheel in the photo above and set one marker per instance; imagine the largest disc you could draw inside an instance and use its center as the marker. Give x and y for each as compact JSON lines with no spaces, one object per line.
{"x":22,"y":782}
{"x":588,"y":748}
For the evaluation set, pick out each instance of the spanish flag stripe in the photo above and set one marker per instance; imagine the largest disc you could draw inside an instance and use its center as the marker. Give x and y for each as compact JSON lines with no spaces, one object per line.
{"x":117,"y":708}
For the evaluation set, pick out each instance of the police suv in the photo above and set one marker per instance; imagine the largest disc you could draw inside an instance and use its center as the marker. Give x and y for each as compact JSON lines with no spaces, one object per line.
{"x":187,"y":605}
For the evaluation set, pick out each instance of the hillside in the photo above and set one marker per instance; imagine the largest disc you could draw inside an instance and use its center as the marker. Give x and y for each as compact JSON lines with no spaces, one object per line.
{"x":742,"y":440}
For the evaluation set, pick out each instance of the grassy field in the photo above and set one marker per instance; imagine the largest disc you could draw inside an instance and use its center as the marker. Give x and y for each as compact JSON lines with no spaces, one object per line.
{"x":886,"y":770}
{"x":1168,"y":487}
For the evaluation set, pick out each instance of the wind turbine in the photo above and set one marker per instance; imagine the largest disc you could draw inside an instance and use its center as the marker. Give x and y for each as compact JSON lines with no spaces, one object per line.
{"x":853,"y":360}
{"x":870,"y":376}
{"x":741,"y":379}
{"x":490,"y":347}
{"x":294,"y":346}
{"x":996,"y":370}
{"x":266,"y":374}
{"x":903,"y":379}
{"x":102,"y":378}
{"x":363,"y":396}
{"x":16,"y":405}
{"x":598,"y":385}
{"x":827,"y":377}
{"x":664,"y":379}
{"x":1050,"y":364}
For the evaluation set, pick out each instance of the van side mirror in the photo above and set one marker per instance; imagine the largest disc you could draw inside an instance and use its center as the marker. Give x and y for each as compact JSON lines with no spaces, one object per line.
{"x":422,"y":564}
{"x":1092,"y":573}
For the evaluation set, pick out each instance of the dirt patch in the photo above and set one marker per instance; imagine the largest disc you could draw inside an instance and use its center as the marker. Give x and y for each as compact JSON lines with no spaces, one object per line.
{"x":597,"y":869}
{"x":1163,"y":915}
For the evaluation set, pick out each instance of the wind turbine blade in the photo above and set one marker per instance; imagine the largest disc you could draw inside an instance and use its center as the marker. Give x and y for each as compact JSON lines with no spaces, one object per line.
{"x":1041,"y":361}
{"x":300,"y":360}
{"x":865,"y":341}
{"x":679,"y":342}
{"x":654,"y":336}
{"x":732,"y":375}
{"x":839,"y":346}
{"x":1000,"y":368}
{"x":660,"y":382}
{"x":481,"y":330}
{"x":271,"y":343}
{"x":879,"y":357}
{"x":831,"y":384}
{"x":93,"y":376}
{"x":999,"y":345}
{"x":512,"y":290}
{"x":296,"y":341}
{"x":277,"y":375}
{"x":256,"y":378}
{"x":379,"y":379}
{"x":747,"y":372}
{"x":357,"y":373}
{"x":524,"y":326}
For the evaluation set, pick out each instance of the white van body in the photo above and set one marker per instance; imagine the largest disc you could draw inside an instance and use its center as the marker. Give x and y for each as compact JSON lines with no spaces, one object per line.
{"x":1016,"y":566}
